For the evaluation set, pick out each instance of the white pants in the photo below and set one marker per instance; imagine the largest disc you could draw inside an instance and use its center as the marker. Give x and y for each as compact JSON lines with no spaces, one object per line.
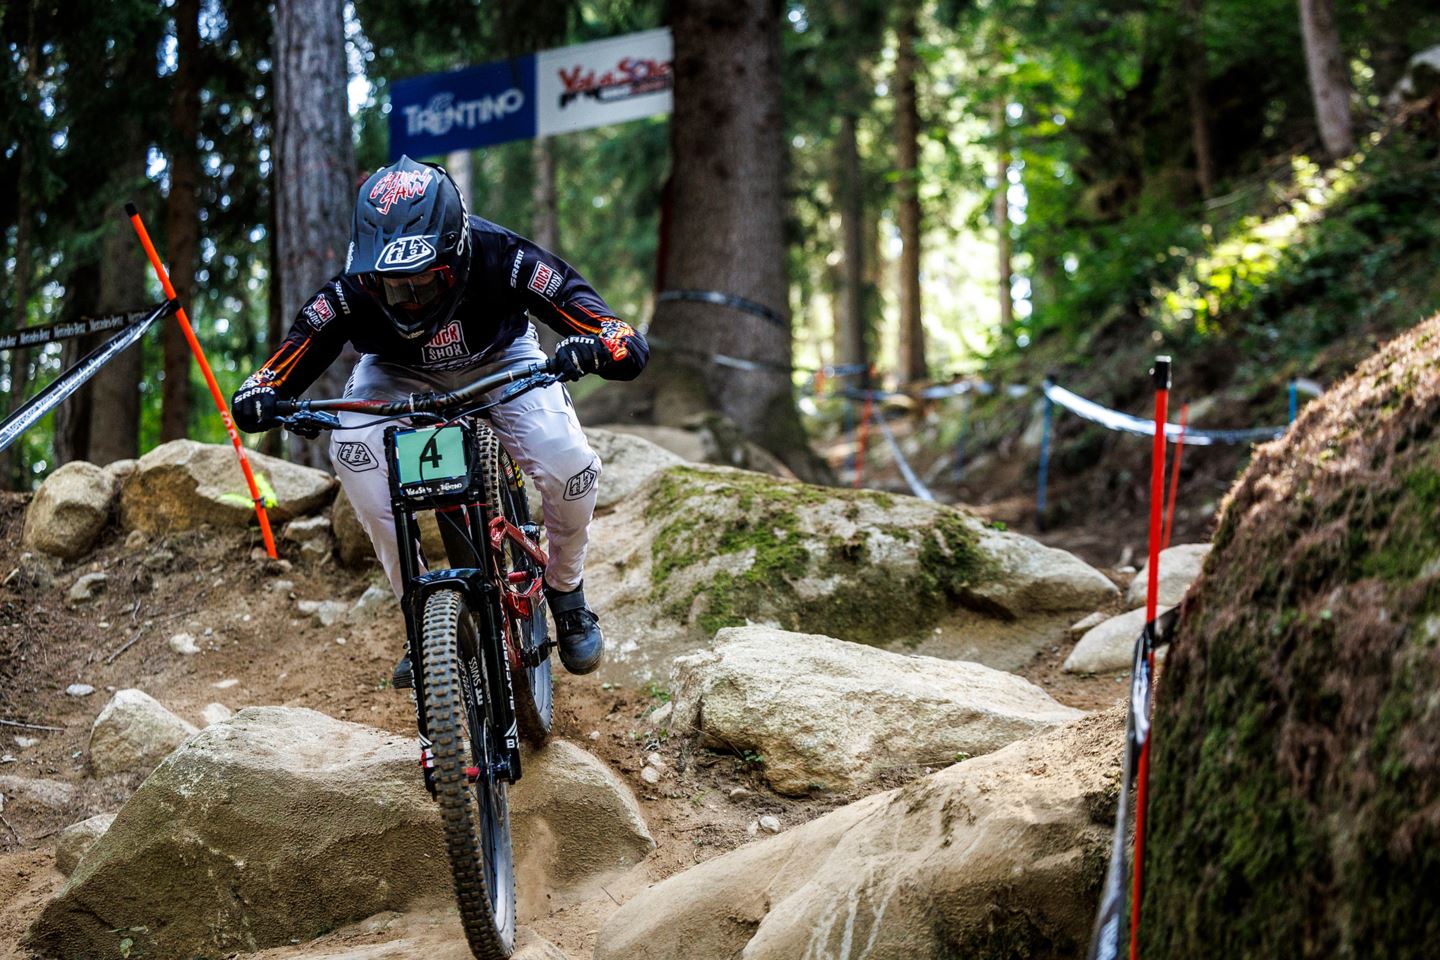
{"x":539,"y":431}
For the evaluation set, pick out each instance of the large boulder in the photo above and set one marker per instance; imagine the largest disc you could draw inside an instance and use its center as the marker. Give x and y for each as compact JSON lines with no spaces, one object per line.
{"x":1107,"y":646}
{"x":279,"y":823}
{"x":69,"y":510}
{"x":1295,"y":781}
{"x":133,"y":733}
{"x":1179,"y":567}
{"x":352,"y":543}
{"x":779,"y":695}
{"x":75,"y":840}
{"x":575,"y":825}
{"x":629,"y":462}
{"x":182,"y":484}
{"x":1000,"y":856}
{"x":422,"y":934}
{"x":700,"y":548}
{"x":282,"y":823}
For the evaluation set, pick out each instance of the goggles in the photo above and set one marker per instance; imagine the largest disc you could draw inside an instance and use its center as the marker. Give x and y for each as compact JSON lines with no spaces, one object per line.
{"x":412,"y":290}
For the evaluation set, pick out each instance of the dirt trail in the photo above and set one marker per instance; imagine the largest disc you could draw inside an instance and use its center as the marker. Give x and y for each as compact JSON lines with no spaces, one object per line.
{"x":257,"y":648}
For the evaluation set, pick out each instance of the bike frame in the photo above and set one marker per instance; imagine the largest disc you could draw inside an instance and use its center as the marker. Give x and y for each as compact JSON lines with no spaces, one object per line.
{"x":468,"y":542}
{"x":492,"y":608}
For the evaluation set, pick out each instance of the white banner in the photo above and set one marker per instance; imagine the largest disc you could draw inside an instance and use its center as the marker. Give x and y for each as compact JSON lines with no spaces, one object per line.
{"x":608,"y":81}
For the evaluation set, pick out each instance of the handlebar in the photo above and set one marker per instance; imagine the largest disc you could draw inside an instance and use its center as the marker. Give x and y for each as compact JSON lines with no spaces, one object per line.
{"x":310,"y":415}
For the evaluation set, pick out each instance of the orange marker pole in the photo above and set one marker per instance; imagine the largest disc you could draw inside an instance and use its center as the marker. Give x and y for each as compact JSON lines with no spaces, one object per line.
{"x":220,"y":403}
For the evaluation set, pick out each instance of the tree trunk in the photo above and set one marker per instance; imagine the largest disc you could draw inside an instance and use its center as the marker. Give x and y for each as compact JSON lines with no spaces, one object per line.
{"x":1197,"y":75}
{"x":851,"y":342}
{"x":72,"y":418}
{"x":727,"y":229}
{"x":182,"y":222}
{"x":1000,"y":213}
{"x":12,"y":462}
{"x":115,"y":390}
{"x":314,"y":167}
{"x":907,"y":135}
{"x":1329,"y":79}
{"x":545,"y":216}
{"x":460,"y":165}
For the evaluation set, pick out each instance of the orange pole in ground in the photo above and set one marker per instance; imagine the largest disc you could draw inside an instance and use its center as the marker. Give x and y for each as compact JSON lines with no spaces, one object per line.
{"x":1175,"y":477}
{"x":220,"y":403}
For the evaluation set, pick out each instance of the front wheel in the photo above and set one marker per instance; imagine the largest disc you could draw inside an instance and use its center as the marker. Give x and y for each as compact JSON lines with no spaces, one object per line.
{"x":468,"y":748}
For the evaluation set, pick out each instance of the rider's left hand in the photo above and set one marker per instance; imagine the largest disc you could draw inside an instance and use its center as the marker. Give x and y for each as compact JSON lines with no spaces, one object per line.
{"x":577,"y":356}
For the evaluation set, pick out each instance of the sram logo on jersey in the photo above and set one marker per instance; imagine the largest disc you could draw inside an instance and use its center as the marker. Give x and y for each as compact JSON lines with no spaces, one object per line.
{"x":399,"y":185}
{"x":406,"y":252}
{"x":448,"y":344}
{"x":544,"y":281}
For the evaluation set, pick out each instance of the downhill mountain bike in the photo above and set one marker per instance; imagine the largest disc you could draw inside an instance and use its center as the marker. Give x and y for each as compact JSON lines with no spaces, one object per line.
{"x":477,"y":632}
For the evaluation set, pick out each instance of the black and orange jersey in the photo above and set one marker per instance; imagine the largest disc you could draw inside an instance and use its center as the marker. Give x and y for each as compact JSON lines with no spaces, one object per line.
{"x":508,"y":278}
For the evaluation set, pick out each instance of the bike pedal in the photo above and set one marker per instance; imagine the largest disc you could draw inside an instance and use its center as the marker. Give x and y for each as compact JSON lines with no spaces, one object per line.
{"x":403,"y":677}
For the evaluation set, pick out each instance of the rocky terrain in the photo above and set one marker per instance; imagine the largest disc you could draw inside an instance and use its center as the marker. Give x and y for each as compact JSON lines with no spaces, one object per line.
{"x":857,"y":696}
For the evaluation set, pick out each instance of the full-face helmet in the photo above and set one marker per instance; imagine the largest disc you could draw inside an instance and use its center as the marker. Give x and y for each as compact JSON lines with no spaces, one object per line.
{"x":410,"y":245}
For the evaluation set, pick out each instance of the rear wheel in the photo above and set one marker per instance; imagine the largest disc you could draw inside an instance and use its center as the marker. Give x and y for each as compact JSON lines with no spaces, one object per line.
{"x":534,"y":694}
{"x":468,"y":744}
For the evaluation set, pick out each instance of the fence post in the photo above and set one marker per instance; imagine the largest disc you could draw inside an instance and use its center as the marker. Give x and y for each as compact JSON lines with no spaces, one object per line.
{"x":1044,"y":483}
{"x":1294,"y":400}
{"x":957,"y":469}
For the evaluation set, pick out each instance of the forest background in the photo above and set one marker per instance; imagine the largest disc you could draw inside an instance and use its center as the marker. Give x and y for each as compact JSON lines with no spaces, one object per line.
{"x":932,"y":188}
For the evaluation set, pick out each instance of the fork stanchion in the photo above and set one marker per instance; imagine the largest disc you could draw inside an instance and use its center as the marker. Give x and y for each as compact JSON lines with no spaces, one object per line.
{"x":220,"y":403}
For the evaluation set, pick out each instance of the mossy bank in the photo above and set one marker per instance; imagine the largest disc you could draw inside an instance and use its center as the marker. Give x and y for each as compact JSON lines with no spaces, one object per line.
{"x":1295,"y":776}
{"x":700,"y":548}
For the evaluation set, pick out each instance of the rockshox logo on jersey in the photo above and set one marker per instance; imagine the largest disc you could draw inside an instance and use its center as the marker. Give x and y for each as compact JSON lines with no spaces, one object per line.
{"x":399,"y":185}
{"x":545,"y":281}
{"x":447,"y":348}
{"x":319,"y":312}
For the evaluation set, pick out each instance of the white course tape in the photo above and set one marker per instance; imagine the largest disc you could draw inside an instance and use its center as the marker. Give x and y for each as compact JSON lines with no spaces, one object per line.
{"x":1115,"y":420}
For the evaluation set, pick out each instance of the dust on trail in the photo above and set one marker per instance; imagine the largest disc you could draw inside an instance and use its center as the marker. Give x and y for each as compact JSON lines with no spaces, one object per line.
{"x":243,"y":613}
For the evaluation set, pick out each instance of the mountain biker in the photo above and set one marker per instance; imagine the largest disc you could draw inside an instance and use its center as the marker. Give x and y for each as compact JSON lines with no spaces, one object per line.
{"x":433,"y":299}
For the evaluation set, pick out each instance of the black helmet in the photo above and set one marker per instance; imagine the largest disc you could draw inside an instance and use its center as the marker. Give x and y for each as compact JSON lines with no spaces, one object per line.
{"x":410,"y":245}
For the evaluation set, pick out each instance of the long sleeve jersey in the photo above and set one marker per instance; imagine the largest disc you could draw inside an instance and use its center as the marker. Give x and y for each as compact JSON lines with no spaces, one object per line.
{"x":509,"y":277}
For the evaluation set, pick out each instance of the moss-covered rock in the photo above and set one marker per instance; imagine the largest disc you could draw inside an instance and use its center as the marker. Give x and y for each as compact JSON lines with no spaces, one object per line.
{"x":703,"y":548}
{"x":1295,"y":777}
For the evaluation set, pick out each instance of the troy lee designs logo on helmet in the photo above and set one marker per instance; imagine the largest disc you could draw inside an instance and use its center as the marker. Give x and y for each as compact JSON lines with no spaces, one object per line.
{"x":406,"y":252}
{"x":399,"y":185}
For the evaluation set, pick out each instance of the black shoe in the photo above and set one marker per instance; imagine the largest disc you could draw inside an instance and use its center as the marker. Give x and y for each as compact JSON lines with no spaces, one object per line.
{"x":403,"y":678}
{"x":577,"y":630}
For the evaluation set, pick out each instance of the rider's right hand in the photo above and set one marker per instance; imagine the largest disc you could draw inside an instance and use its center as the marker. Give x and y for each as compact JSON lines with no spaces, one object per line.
{"x":577,"y":356}
{"x":253,"y":408}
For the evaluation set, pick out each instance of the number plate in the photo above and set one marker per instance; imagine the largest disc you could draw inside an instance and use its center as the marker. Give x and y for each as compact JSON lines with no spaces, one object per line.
{"x":431,"y":454}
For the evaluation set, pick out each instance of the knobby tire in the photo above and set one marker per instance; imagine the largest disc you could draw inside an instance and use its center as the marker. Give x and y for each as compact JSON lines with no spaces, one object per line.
{"x":475,"y":818}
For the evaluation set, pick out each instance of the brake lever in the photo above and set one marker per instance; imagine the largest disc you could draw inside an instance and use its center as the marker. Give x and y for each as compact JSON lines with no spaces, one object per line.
{"x":309,"y":423}
{"x":525,"y":385}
